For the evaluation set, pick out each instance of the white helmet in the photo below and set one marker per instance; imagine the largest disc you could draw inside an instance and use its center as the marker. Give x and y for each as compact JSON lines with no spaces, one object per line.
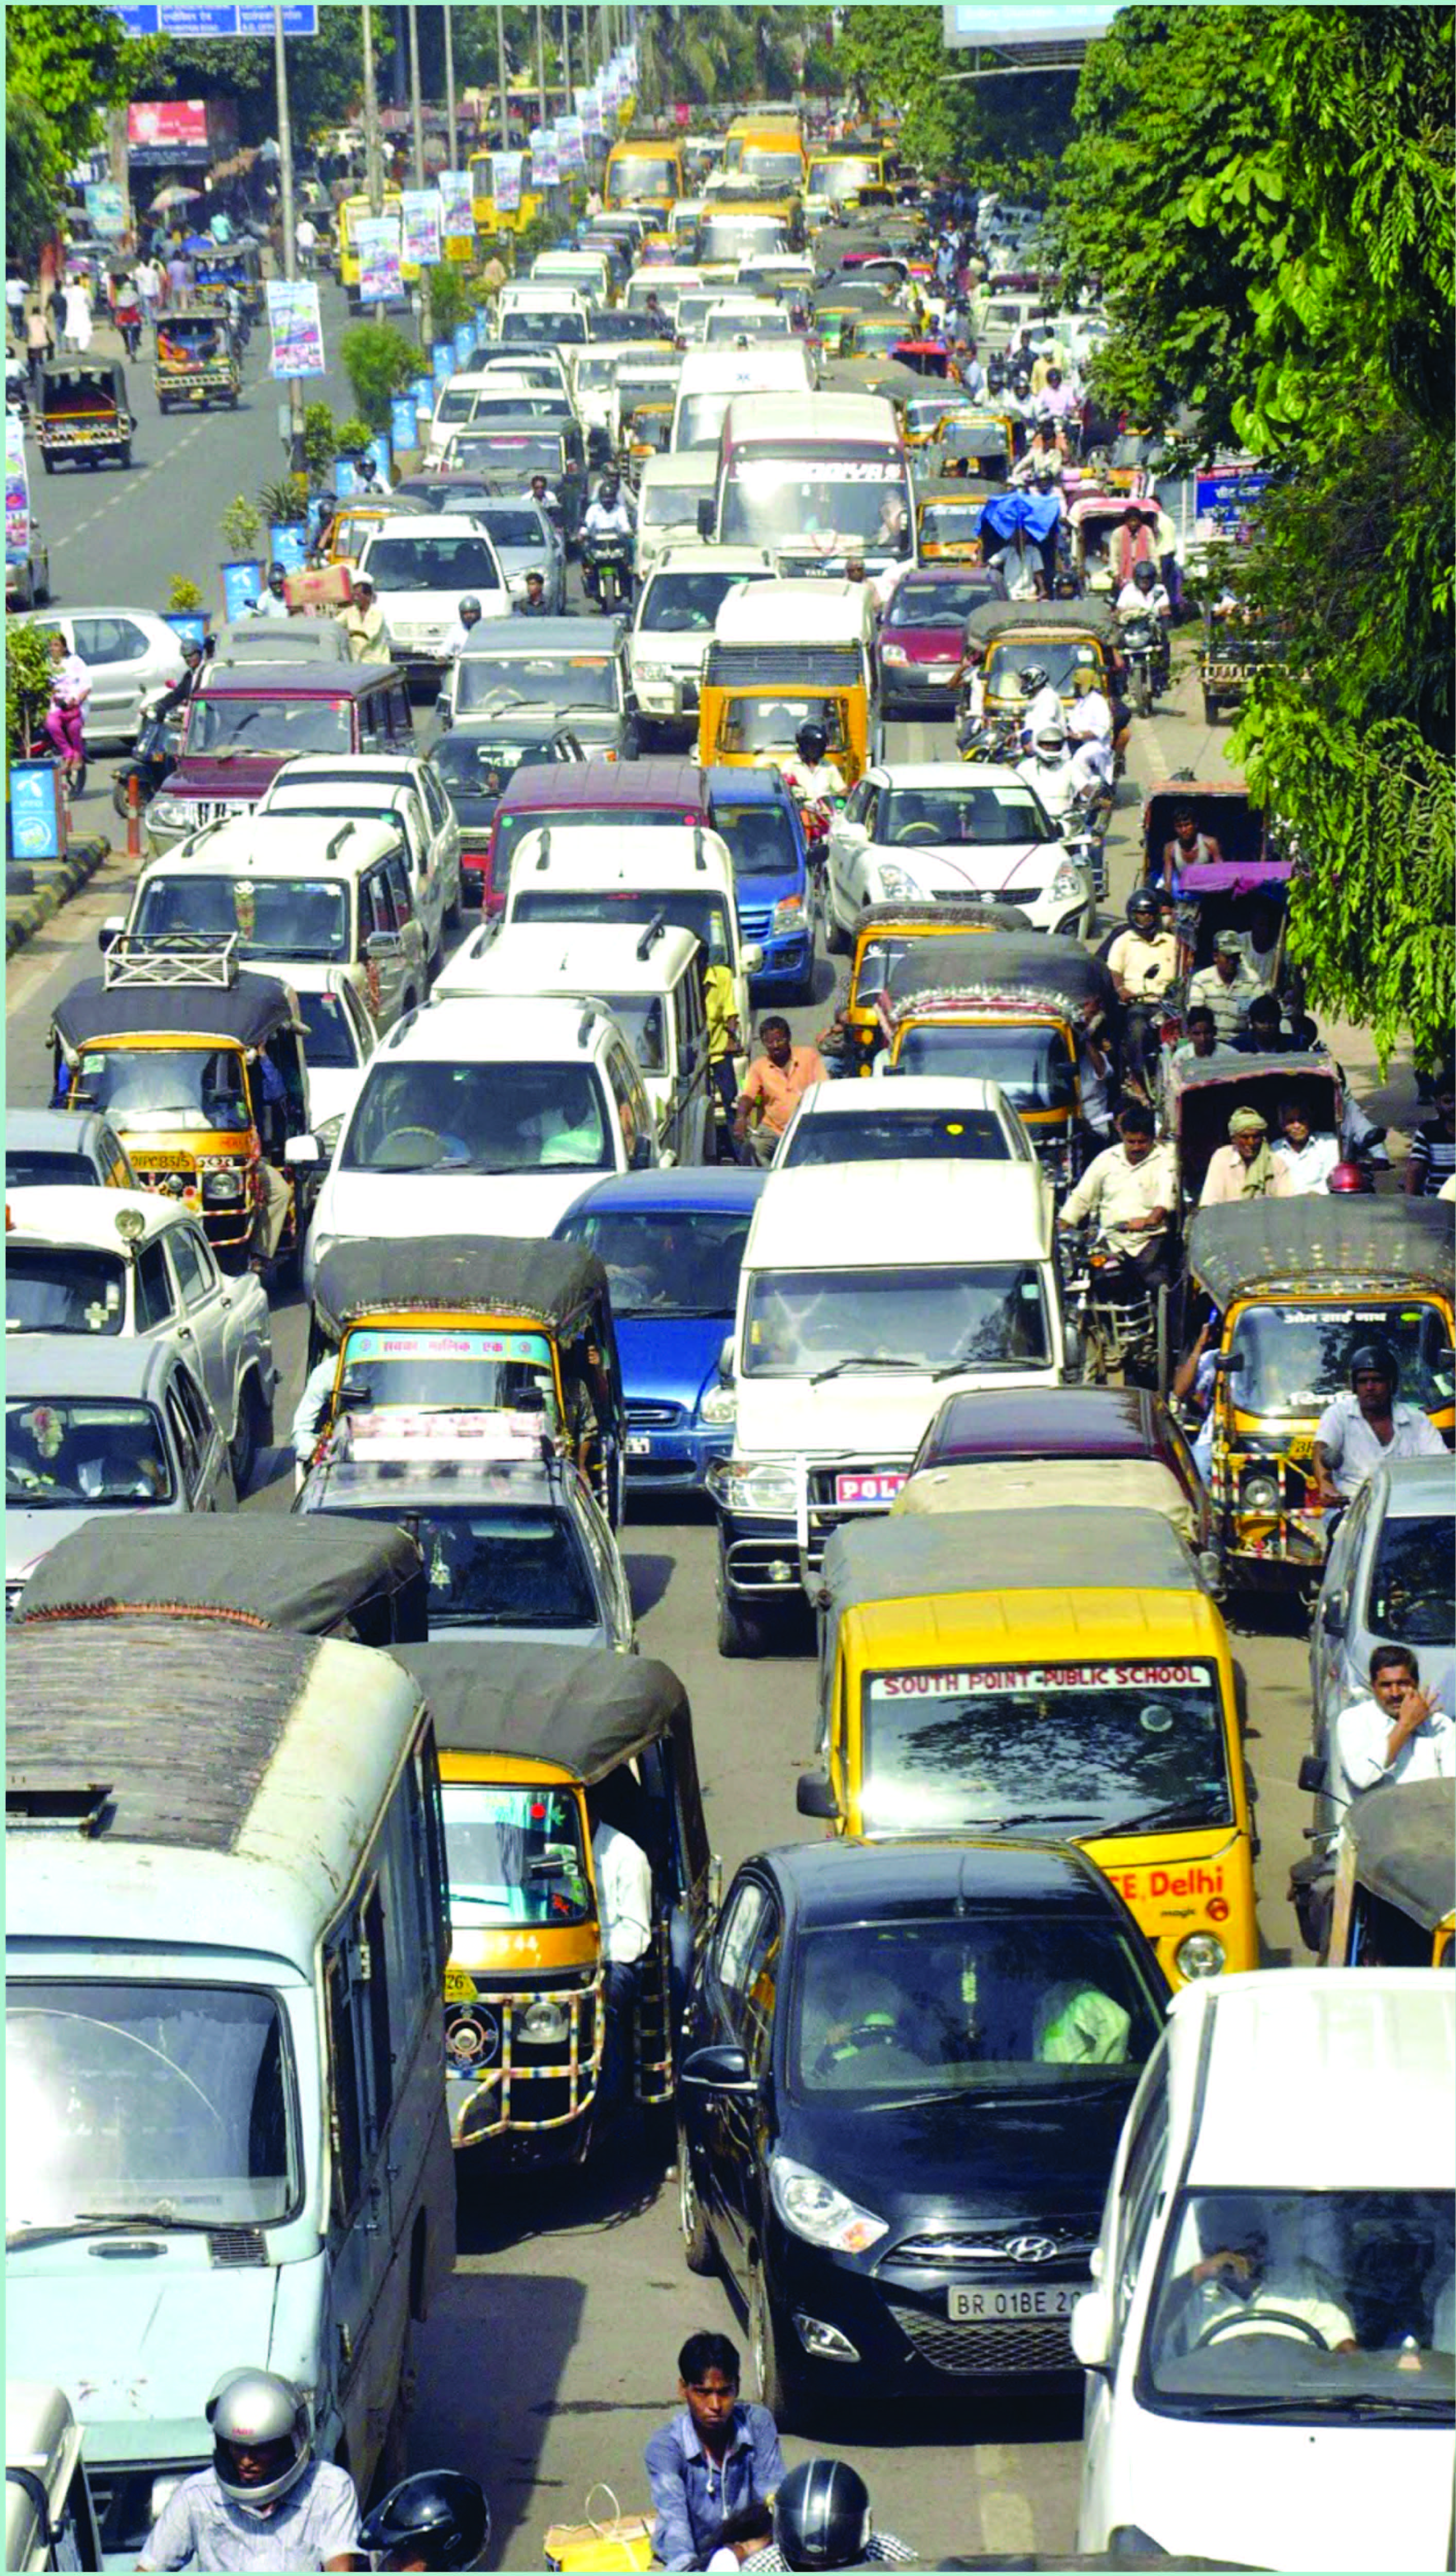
{"x":1051,"y":742}
{"x":256,"y":2410}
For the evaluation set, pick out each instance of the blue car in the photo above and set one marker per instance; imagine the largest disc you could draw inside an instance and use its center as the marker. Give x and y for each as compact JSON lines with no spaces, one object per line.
{"x":672,"y":1242}
{"x":759,"y":820}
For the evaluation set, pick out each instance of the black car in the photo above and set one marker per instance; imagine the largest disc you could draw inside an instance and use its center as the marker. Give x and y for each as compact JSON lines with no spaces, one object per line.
{"x":905,"y":2070}
{"x":475,"y":761}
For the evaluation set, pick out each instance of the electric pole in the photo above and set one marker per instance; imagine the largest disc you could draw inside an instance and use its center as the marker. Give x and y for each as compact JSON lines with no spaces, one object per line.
{"x":541,"y":61}
{"x":290,"y":245}
{"x":500,"y":55}
{"x":427,"y":315}
{"x":453,"y":153}
{"x":373,"y":162}
{"x":565,"y":58}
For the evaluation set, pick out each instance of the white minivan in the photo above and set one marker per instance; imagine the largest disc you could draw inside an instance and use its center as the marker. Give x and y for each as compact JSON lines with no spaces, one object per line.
{"x":1269,"y":2341}
{"x":608,"y":872}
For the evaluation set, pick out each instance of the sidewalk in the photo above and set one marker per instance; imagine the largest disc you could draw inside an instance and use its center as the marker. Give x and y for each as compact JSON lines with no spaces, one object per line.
{"x":52,"y":883}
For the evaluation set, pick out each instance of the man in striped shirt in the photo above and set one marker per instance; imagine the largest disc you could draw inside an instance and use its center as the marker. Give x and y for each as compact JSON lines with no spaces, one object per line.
{"x":1432,"y":1157}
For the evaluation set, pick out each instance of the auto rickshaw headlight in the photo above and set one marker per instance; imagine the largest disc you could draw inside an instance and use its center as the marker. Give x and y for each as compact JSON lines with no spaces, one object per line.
{"x":545,"y":2024}
{"x":1201,"y":1954}
{"x":1259,"y":1492}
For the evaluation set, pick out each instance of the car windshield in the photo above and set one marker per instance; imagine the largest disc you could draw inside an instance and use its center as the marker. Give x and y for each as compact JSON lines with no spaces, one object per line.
{"x":538,"y":679}
{"x":670,"y":505}
{"x":726,"y":330}
{"x":303,"y":917}
{"x":329,"y":1036}
{"x":760,"y":838}
{"x":475,"y":769}
{"x":1412,"y":1597}
{"x":547,"y":330}
{"x":1081,"y":1749}
{"x":448,"y":1370}
{"x":61,"y":1288}
{"x":515,"y":453}
{"x":984,"y":1315}
{"x":686,"y":603}
{"x":682,"y":909}
{"x":1294,"y":1359}
{"x":1030,"y":1063}
{"x":673,"y":1261}
{"x":722,"y":238}
{"x":265,"y":728}
{"x":165,"y":2103}
{"x":522,"y":530}
{"x":900,"y":1136}
{"x":479,"y":1118}
{"x":39,"y":1171}
{"x":772,"y":724}
{"x":1006,"y":662}
{"x":514,"y":1856}
{"x":979,"y":2004}
{"x":994,"y":818}
{"x":161,"y":1087}
{"x":936,"y":603}
{"x":60,"y":1454}
{"x":824,"y":502}
{"x":1304,"y":2304}
{"x":432,"y":563}
{"x":641,"y":176}
{"x":840,"y":178}
{"x":455,"y":403}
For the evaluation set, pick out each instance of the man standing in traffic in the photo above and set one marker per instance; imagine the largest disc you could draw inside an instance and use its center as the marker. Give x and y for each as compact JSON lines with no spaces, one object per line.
{"x":534,"y":602}
{"x":1227,"y":987}
{"x":1364,"y":1428}
{"x":363,"y":623}
{"x":149,"y":288}
{"x":773,"y":1083}
{"x":1432,"y":1158}
{"x":1130,"y":1191}
{"x":38,"y":344}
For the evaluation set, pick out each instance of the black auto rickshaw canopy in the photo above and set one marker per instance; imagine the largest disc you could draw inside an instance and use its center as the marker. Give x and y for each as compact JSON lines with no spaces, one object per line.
{"x":559,"y":1285}
{"x":957,"y":911}
{"x":1404,"y":1840}
{"x":1014,"y":617}
{"x":326,"y":1576}
{"x":245,"y":1011}
{"x":1324,"y":1244}
{"x":582,"y":1708}
{"x":1025,"y":970}
{"x":1204,"y":1091}
{"x":70,"y":387}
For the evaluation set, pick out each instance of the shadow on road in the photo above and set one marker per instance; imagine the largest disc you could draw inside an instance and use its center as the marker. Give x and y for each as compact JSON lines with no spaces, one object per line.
{"x":491,"y":2421}
{"x":495,"y":2207}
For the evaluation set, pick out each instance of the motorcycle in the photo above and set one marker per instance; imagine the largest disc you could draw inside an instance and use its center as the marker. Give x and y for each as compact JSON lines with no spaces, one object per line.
{"x":606,"y":560}
{"x":152,"y":761}
{"x":996,"y":739}
{"x":1145,"y":652}
{"x":1118,"y":1318}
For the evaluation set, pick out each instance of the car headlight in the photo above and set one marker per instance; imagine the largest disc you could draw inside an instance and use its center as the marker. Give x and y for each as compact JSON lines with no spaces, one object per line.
{"x":545,"y":2024}
{"x":819,"y":2212}
{"x":897,"y":882}
{"x":760,"y":1488}
{"x":651,"y":671}
{"x":788,"y":915}
{"x":893,"y":653}
{"x":1068,"y":882}
{"x":720,"y":1404}
{"x":170,"y":812}
{"x":1200,"y":1954}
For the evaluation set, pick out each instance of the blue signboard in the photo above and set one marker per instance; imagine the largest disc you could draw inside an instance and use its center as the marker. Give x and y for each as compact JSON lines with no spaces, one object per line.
{"x":346,"y":477}
{"x":442,"y":358}
{"x":215,"y":18}
{"x":403,"y":428}
{"x":287,"y":546}
{"x":379,"y":450}
{"x":35,"y":810}
{"x":423,"y":390}
{"x":241,"y":584}
{"x":464,"y":345}
{"x":188,"y":625}
{"x":1232,"y":497}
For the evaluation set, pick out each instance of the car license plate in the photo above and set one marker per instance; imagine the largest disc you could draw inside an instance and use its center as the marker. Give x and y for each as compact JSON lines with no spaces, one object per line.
{"x":1003,"y":2302}
{"x":879,"y":1488}
{"x":639,"y":1444}
{"x":942,"y":670}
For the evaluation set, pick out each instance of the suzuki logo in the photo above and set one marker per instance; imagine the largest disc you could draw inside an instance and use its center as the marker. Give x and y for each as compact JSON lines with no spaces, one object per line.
{"x":1032,"y":2249}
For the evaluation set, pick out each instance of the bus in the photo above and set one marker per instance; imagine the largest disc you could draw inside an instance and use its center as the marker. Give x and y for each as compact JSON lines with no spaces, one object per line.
{"x":767,"y":151}
{"x":646,"y":171}
{"x":835,"y":180}
{"x":816,"y":478}
{"x":356,"y":210}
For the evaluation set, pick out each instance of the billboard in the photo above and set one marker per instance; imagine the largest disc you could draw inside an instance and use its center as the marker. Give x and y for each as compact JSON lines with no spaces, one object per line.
{"x":167,"y":125}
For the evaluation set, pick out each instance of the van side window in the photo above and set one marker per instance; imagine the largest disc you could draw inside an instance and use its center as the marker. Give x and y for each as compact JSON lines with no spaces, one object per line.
{"x":397,"y":874}
{"x":346,"y":2109}
{"x":381,"y":2054}
{"x":371,"y":722}
{"x":630,"y":1098}
{"x":1141,"y":2184}
{"x":428,"y":1833}
{"x":400,"y":721}
{"x":371,"y":915}
{"x":196,"y":1412}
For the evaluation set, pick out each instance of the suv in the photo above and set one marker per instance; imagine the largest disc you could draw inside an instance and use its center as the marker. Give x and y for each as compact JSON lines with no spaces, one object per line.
{"x":245,"y":721}
{"x":672,"y":874}
{"x":672,"y":628}
{"x":577,"y":666}
{"x":484,"y":1122}
{"x":398,"y":789}
{"x":760,"y":820}
{"x":421,"y":569}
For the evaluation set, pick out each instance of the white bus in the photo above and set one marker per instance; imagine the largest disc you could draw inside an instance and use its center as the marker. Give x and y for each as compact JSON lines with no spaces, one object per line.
{"x":816,"y":478}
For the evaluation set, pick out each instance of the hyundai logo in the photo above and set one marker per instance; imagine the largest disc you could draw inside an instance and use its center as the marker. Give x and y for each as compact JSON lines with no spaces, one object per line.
{"x":1032,"y":2249}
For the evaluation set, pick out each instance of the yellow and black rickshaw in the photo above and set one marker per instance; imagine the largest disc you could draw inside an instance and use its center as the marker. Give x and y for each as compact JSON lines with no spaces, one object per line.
{"x":196,"y":360}
{"x":82,"y":415}
{"x":331,"y":1577}
{"x":1395,"y":1880}
{"x":883,"y":934}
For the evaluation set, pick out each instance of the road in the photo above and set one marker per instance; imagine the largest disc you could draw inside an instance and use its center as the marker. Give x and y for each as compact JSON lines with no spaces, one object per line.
{"x":552,"y":2355}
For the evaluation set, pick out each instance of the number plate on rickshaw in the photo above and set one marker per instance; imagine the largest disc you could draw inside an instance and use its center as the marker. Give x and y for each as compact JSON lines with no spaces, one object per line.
{"x":459,"y":1986}
{"x":1004,"y":2302}
{"x":161,"y":1163}
{"x":881,"y":1487}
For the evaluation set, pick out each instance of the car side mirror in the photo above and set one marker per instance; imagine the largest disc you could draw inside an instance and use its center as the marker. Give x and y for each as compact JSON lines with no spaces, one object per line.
{"x":725,"y":1357}
{"x":718,"y":2070}
{"x":641,"y":1156}
{"x":751,"y":959}
{"x":353,"y":1396}
{"x":850,"y":835}
{"x":1314,"y":1773}
{"x":111,"y":929}
{"x":304,"y":1153}
{"x":1213,"y":1570}
{"x":814,"y":1796}
{"x":382,"y":943}
{"x":1332,"y":1619}
{"x":1091,"y":2329}
{"x":705,"y":520}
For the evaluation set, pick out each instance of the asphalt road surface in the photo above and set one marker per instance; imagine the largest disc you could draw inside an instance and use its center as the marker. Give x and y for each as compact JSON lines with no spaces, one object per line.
{"x":551,"y":2357}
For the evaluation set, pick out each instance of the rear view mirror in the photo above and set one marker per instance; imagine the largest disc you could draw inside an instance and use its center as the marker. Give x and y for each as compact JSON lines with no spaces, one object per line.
{"x":725,"y":1358}
{"x":751,"y":959}
{"x":1092,"y":2330}
{"x":705,"y":520}
{"x":382,"y":943}
{"x":720,"y":2070}
{"x":1314,"y":1772}
{"x":814,"y":1797}
{"x":1332,"y":1619}
{"x":303,"y":1153}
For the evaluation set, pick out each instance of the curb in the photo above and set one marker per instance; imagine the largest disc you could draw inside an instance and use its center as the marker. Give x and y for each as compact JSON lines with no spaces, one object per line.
{"x":54,"y":883}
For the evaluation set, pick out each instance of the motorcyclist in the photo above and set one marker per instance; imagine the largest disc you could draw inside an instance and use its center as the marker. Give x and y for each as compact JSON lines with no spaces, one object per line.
{"x":467,"y":618}
{"x":607,"y":516}
{"x":1041,"y":703}
{"x":272,"y":599}
{"x":1144,"y":593}
{"x":812,"y":778}
{"x":822,"y":2518}
{"x":1049,"y":771}
{"x":435,"y":2519}
{"x":174,"y":700}
{"x":1143,"y":962}
{"x":266,"y":2501}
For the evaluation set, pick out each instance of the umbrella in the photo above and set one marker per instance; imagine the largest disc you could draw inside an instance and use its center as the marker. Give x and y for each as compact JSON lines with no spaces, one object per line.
{"x":1011,"y":511}
{"x":174,"y":197}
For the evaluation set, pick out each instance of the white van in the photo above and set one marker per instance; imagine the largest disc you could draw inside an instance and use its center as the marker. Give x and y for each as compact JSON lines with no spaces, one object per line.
{"x":712,"y":378}
{"x":225,"y":1940}
{"x":859,"y":1311}
{"x":669,"y":285}
{"x":1269,"y":2344}
{"x":680,"y":595}
{"x":540,"y":295}
{"x":605,"y":872}
{"x":398,"y":789}
{"x":668,"y":493}
{"x":651,"y":981}
{"x":50,"y":2519}
{"x":751,"y":318}
{"x":455,"y":401}
{"x":587,"y":270}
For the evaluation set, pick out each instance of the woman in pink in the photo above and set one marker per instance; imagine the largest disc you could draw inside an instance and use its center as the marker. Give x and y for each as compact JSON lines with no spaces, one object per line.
{"x":66,"y":715}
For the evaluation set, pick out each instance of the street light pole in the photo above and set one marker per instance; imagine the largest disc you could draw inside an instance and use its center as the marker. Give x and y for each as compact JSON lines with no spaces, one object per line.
{"x":373,"y":161}
{"x":565,"y":58}
{"x":500,"y":57}
{"x":453,"y":152}
{"x":290,"y":245}
{"x":417,"y":105}
{"x":541,"y":60}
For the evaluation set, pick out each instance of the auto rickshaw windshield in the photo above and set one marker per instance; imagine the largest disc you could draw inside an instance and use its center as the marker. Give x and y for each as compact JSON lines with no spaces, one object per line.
{"x":1294,"y":1358}
{"x":456,"y":1371}
{"x":1007,"y":661}
{"x":514,"y":1855}
{"x":199,"y":1087}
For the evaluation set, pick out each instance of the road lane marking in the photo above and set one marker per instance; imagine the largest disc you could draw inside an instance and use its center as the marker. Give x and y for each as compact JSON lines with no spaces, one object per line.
{"x":1006,"y":2523}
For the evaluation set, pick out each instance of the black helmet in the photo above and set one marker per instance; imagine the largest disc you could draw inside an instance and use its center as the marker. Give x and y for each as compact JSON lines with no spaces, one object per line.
{"x":1034,"y":677}
{"x":1144,"y":575}
{"x":1375,"y":1359}
{"x":821,"y":2515}
{"x":811,"y":741}
{"x":191,"y":649}
{"x":275,"y":576}
{"x":469,"y":606}
{"x":1142,"y":904}
{"x":438,"y":2515}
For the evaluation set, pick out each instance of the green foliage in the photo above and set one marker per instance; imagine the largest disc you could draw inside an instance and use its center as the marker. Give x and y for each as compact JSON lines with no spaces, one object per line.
{"x":27,"y":683}
{"x":325,"y":72}
{"x":1007,"y":134}
{"x":320,"y":446}
{"x":241,"y":528}
{"x":456,"y":294}
{"x":183,"y":596}
{"x":63,"y":68}
{"x":379,"y":362}
{"x":353,"y":438}
{"x":284,"y":503}
{"x":716,"y":54}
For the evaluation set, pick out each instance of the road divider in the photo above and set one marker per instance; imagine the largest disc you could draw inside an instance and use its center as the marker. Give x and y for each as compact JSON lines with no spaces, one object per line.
{"x":52,"y":883}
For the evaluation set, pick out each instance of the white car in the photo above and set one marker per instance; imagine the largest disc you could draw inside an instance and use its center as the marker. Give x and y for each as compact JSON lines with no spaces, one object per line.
{"x":130,"y":653}
{"x":421,"y":569}
{"x":911,"y":833}
{"x":394,"y":787}
{"x":339,"y":1042}
{"x":676,"y":614}
{"x":1268,"y":2341}
{"x":919,"y":1118}
{"x":131,"y":1265}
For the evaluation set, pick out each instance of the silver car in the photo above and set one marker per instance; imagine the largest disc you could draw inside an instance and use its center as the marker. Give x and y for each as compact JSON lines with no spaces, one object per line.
{"x":518,"y":1551}
{"x":525,"y":540}
{"x":1387,"y":1582}
{"x":130,"y":653}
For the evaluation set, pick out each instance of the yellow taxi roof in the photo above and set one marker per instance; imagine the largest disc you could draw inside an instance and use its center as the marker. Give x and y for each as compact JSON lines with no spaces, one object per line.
{"x":1023,"y":1627}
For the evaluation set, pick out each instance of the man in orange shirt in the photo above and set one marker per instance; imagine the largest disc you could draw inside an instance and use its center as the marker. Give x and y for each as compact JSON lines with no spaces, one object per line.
{"x":774,"y":1082}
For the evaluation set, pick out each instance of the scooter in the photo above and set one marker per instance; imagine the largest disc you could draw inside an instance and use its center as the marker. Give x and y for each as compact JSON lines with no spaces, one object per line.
{"x":607,"y":570}
{"x":152,"y":761}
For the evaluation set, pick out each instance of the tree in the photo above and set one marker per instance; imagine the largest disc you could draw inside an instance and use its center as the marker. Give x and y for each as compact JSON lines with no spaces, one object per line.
{"x":1007,"y":134}
{"x":63,"y":69}
{"x":325,"y":72}
{"x":379,"y":362}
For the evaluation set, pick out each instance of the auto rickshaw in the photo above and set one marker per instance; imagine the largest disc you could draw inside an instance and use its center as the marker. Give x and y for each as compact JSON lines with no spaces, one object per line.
{"x":948,"y":520}
{"x":649,"y":433}
{"x":1200,"y":1095}
{"x":925,"y":411}
{"x":1296,"y":1285}
{"x":235,"y":264}
{"x":756,"y":727}
{"x":82,"y":416}
{"x":929,"y":359}
{"x":477,"y":1324}
{"x":1004,"y":1007}
{"x":883,"y":934}
{"x":331,"y":1577}
{"x":1236,"y":646}
{"x":867,"y":373}
{"x":829,"y":323}
{"x":974,"y":443}
{"x":1095,"y":521}
{"x":166,"y":1043}
{"x":1130,"y":458}
{"x":537,"y":1743}
{"x":1063,"y":636}
{"x":1395,"y":1880}
{"x":196,"y":361}
{"x":1234,"y":853}
{"x":342,"y":536}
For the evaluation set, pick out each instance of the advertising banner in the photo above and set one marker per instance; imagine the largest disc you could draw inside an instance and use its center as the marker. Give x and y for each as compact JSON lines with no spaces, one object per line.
{"x":589,"y":109}
{"x":288,"y":546}
{"x":295,"y":327}
{"x":106,"y":209}
{"x":464,"y":345}
{"x":545,"y":159}
{"x":420,"y":216}
{"x":167,"y":124}
{"x":241,"y":584}
{"x":506,"y":168}
{"x":35,"y":810}
{"x":442,"y":360}
{"x":377,"y":239}
{"x":403,"y":427}
{"x":570,"y":144}
{"x":455,"y":208}
{"x":17,"y":491}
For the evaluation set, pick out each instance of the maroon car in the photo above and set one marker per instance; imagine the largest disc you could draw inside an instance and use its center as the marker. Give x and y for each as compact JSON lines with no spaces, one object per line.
{"x":1034,"y":1422}
{"x":922,"y":635}
{"x":248,"y":718}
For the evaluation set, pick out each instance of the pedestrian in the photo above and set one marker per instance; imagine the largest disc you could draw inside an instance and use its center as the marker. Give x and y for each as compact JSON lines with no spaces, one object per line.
{"x":76,"y":327}
{"x":1432,"y":1158}
{"x":38,"y":346}
{"x":1397,"y":1733}
{"x":65,"y":719}
{"x":1244,"y":1168}
{"x":265,"y":2501}
{"x":1228,"y":986}
{"x":725,"y":1037}
{"x":179,"y":274}
{"x":774,"y":1081}
{"x":534,"y":602}
{"x":717,"y":2458}
{"x":623,"y":1877}
{"x":16,"y":292}
{"x":1364,"y":1427}
{"x":363,"y":623}
{"x":150,"y":288}
{"x":306,"y":241}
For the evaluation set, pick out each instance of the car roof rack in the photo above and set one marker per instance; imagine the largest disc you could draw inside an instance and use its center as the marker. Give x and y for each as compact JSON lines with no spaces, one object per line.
{"x":194,"y":957}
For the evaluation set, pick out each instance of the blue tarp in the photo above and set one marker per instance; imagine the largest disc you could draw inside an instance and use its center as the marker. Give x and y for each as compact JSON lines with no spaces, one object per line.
{"x":1037,"y":514}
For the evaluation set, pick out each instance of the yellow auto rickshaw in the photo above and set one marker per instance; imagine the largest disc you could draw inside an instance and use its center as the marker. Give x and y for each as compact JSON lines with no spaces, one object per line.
{"x":924,"y":412}
{"x":538,"y":1745}
{"x":196,"y":360}
{"x":1294,"y":1286}
{"x":649,"y":433}
{"x":469,"y":1325}
{"x":988,"y":1666}
{"x":883,"y":935}
{"x":978,"y":444}
{"x":1060,"y":636}
{"x":948,"y":520}
{"x":1395,"y":1880}
{"x":343,"y":535}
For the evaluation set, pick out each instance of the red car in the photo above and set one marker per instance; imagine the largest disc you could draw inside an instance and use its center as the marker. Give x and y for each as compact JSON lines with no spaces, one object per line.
{"x":922,"y":635}
{"x":1040,"y":1422}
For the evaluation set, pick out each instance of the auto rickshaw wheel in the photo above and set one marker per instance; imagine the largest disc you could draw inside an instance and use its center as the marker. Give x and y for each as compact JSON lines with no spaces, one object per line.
{"x":700,"y":2252}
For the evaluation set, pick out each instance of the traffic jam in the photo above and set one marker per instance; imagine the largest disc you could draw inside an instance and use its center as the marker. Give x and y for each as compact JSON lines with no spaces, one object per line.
{"x":823,"y":1845}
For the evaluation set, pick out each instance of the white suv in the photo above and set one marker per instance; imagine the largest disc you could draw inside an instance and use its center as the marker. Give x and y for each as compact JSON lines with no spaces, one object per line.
{"x":677,"y":611}
{"x":421,"y":569}
{"x":399,"y":789}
